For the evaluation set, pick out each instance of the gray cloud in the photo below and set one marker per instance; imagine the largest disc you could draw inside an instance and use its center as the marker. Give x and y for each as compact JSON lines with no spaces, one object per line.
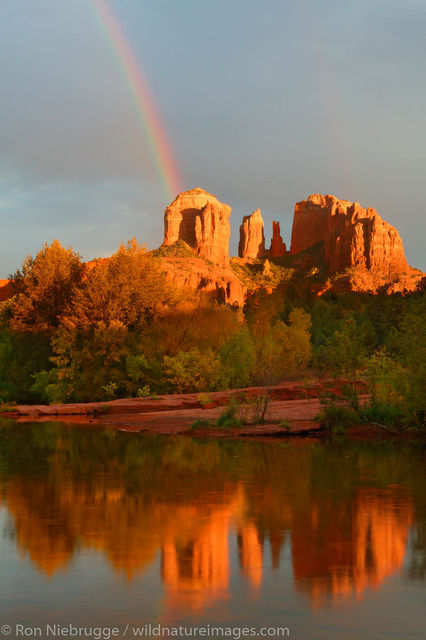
{"x":264,"y":104}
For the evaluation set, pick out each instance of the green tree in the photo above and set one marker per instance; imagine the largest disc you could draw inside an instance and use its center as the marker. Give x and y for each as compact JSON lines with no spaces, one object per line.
{"x":194,"y":370}
{"x":86,"y":362}
{"x":21,"y":355}
{"x":282,"y":349}
{"x":238,"y":358}
{"x":345,"y":351}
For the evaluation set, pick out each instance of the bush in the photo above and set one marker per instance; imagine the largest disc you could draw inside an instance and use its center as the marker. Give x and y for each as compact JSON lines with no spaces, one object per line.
{"x":201,"y":424}
{"x":144,"y":392}
{"x":382,"y":414}
{"x":192,"y":371}
{"x":255,"y":408}
{"x":337,"y":417}
{"x":50,"y":388}
{"x":229,"y":416}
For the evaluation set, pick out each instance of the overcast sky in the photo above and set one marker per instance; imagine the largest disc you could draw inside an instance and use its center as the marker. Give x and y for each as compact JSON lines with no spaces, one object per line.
{"x":264,"y":101}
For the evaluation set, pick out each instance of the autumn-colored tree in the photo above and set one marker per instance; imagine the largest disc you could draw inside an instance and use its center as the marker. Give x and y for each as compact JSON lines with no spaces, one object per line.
{"x":199,"y":323}
{"x":128,"y":288}
{"x":43,"y":287}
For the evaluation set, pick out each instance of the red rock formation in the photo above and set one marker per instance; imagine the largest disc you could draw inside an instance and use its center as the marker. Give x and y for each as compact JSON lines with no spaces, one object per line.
{"x":202,"y":221}
{"x":252,"y":237}
{"x":6,"y":291}
{"x":352,"y":236}
{"x":193,"y":273}
{"x":278,"y":247}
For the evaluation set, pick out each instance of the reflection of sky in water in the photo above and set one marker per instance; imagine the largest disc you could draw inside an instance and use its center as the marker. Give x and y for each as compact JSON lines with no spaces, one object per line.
{"x":95,"y":542}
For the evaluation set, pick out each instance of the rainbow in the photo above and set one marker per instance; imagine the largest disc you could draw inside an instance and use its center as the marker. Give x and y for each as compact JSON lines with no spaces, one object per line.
{"x":148,"y":114}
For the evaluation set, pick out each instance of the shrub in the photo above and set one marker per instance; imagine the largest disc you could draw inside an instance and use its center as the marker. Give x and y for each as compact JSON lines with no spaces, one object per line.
{"x":204,"y":398}
{"x":192,"y":371}
{"x":229,"y":416}
{"x":144,"y":392}
{"x":110,"y":389}
{"x":334,"y":416}
{"x":201,"y":424}
{"x":255,"y":408}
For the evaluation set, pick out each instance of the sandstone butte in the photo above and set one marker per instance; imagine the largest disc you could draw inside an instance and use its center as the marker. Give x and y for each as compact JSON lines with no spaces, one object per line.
{"x":202,"y":221}
{"x":198,"y":219}
{"x":349,"y":247}
{"x":344,"y":236}
{"x":278,"y":247}
{"x":252,"y":237}
{"x":351,"y":235}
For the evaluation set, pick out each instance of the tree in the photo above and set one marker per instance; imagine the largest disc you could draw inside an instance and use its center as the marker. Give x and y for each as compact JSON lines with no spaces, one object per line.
{"x":21,"y":355}
{"x":127,"y":288}
{"x":282,"y":349}
{"x":84,"y":363}
{"x":43,"y":287}
{"x":238,"y":357}
{"x":193,"y":370}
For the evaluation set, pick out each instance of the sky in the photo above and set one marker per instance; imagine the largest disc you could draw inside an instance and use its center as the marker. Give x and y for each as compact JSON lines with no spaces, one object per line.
{"x":263,"y":103}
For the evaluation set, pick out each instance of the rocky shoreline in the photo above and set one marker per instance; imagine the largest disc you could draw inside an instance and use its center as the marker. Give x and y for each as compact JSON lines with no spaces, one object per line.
{"x":293,"y":410}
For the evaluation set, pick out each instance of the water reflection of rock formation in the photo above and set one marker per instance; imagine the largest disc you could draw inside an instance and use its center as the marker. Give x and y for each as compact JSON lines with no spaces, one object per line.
{"x":344,"y":550}
{"x":339,"y":547}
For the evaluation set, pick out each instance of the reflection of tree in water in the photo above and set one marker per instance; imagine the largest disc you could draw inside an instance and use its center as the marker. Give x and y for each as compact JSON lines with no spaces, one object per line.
{"x":344,"y":507}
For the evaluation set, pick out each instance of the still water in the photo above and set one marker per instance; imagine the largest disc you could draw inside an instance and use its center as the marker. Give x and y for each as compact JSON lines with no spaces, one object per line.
{"x":104,"y":528}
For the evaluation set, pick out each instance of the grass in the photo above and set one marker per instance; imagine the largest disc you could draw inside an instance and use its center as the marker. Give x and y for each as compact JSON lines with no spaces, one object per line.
{"x":229,"y":416}
{"x":284,"y":425}
{"x":201,"y":424}
{"x":337,"y":418}
{"x":179,"y":249}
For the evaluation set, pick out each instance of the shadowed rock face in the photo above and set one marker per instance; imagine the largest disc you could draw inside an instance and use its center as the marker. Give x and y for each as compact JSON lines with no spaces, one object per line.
{"x":202,"y":221}
{"x":278,"y":247}
{"x":6,"y":290}
{"x":252,"y":237}
{"x":351,"y":235}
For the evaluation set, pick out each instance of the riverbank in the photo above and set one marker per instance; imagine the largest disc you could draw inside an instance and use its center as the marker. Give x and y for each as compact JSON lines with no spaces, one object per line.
{"x":293,"y":410}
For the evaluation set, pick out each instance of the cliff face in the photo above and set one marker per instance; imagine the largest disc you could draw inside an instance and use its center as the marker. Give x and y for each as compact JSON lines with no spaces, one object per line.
{"x":192,"y":272}
{"x":252,"y":237}
{"x":202,"y":221}
{"x":351,"y":235}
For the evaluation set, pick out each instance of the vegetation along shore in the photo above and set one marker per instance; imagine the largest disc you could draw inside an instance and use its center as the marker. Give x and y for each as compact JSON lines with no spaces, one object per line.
{"x":332,"y":325}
